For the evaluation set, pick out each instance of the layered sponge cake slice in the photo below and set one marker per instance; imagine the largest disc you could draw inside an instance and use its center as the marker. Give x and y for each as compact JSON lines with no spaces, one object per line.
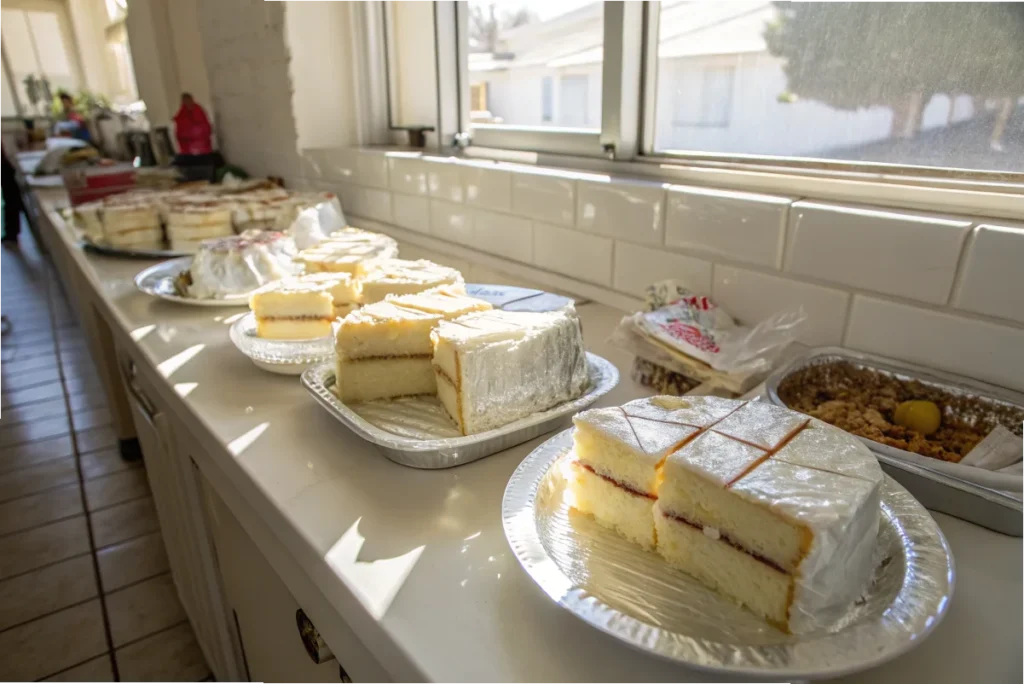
{"x":615,"y":470}
{"x":776,"y":511}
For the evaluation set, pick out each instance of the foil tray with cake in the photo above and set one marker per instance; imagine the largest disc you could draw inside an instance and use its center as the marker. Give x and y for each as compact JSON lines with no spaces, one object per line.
{"x":953,"y":441}
{"x":453,"y":373}
{"x":732,"y":536}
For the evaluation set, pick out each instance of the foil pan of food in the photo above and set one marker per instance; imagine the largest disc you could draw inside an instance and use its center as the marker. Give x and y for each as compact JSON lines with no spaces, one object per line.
{"x":954,"y":442}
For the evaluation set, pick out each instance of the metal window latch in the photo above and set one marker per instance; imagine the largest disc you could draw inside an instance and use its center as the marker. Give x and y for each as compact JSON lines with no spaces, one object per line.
{"x":462,"y":140}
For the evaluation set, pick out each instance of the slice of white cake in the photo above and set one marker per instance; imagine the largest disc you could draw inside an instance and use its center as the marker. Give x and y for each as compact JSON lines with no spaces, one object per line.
{"x":400,"y":276}
{"x":345,"y":289}
{"x":445,"y":301}
{"x":384,"y":330}
{"x":371,"y":378}
{"x":495,"y":367}
{"x":615,"y":469}
{"x":292,"y":309}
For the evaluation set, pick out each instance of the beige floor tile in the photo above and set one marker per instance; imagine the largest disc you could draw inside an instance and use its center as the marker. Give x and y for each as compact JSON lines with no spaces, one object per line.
{"x":30,"y":378}
{"x":34,"y":453}
{"x":46,"y":590}
{"x":32,"y":412}
{"x":33,"y":430}
{"x":170,"y":656}
{"x":52,"y":643}
{"x":105,"y":462}
{"x":38,"y":509}
{"x":131,"y":561}
{"x":25,"y":481}
{"x":28,"y":395}
{"x":90,"y":418}
{"x":124,"y":521}
{"x":116,"y":488}
{"x":84,"y":402}
{"x":95,"y":438}
{"x":24,"y":551}
{"x":26,"y":364}
{"x":143,"y":608}
{"x":95,"y":670}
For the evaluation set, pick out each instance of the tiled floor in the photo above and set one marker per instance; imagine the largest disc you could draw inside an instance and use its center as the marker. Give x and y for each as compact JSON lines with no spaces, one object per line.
{"x":85,"y":588}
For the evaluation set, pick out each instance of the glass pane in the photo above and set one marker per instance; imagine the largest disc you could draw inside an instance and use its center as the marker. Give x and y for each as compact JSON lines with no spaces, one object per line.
{"x":934,"y":84}
{"x":536,"y":62}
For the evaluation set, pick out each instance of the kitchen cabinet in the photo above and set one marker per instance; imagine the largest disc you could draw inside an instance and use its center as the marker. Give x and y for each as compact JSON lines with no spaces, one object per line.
{"x":173,"y":480}
{"x":265,"y":611}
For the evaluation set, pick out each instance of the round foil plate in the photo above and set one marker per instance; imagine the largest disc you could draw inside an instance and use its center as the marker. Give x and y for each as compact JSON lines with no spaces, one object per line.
{"x":634,"y":595}
{"x":158,"y":281}
{"x":288,"y":357}
{"x":108,"y":250}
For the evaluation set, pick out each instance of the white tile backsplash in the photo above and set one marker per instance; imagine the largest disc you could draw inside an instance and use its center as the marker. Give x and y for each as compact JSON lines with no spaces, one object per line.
{"x":451,"y":221}
{"x":587,"y":257}
{"x":977,"y":349}
{"x":544,"y":197}
{"x":750,"y":297}
{"x":637,"y":267}
{"x":897,"y":253}
{"x":412,"y":212}
{"x":444,"y":180}
{"x":504,"y":235}
{"x":738,"y":226}
{"x":992,"y":273}
{"x":625,"y":210}
{"x":371,"y":169}
{"x":487,"y":187}
{"x":408,"y":175}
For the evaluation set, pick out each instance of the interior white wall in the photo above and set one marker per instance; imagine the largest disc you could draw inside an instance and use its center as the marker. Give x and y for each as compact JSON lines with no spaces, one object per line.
{"x":188,"y":50}
{"x":153,"y":57}
{"x":89,"y":23}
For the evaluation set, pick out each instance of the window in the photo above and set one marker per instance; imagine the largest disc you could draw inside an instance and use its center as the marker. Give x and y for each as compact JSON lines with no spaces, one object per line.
{"x":574,"y":101}
{"x":703,"y":97}
{"x":542,"y":62}
{"x":547,"y":99}
{"x":35,"y":48}
{"x":929,"y":84}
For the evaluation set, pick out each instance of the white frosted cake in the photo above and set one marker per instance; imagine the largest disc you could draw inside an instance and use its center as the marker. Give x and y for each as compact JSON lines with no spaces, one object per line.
{"x":132,"y":226}
{"x":349,"y":251}
{"x":293,"y":309}
{"x":238,"y":265}
{"x":758,"y":502}
{"x":495,"y":367}
{"x":385,"y":349}
{"x":189,"y":224}
{"x":400,"y":276}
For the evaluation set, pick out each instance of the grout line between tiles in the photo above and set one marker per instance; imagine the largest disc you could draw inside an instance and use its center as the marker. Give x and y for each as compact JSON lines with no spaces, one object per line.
{"x":108,"y":635}
{"x":52,"y":612}
{"x":128,"y":539}
{"x":44,"y":566}
{"x":49,"y":488}
{"x":109,"y":506}
{"x":133,"y":583}
{"x":48,"y":522}
{"x":109,"y":654}
{"x":151,"y":634}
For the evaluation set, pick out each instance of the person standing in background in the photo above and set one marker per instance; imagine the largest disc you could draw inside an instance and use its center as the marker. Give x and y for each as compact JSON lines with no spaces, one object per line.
{"x":13,"y":207}
{"x":192,"y":128}
{"x":73,"y":122}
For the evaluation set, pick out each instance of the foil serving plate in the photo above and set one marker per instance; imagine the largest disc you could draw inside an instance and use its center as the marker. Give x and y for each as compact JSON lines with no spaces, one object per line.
{"x":158,"y":281}
{"x":108,"y":250}
{"x":635,"y":596}
{"x":416,"y":431}
{"x":986,"y":498}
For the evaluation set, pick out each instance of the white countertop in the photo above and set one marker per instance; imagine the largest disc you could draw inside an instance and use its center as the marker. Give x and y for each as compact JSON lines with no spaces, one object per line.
{"x":416,"y":561}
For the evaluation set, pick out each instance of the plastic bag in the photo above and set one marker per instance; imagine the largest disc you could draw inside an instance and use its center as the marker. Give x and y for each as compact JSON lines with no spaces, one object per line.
{"x":691,"y":335}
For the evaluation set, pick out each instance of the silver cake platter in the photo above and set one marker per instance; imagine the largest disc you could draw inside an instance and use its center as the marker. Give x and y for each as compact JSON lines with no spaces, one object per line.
{"x":635,"y":596}
{"x":124,"y":253}
{"x":158,"y":281}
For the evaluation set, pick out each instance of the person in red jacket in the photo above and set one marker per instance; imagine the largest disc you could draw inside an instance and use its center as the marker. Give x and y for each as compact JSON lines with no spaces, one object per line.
{"x":192,"y":128}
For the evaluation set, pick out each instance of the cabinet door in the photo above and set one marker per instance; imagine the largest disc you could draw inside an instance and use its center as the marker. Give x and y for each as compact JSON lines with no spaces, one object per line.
{"x":264,"y":609}
{"x":172,"y":479}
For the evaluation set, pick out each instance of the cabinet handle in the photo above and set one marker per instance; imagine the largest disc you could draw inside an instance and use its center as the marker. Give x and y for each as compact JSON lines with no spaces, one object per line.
{"x":318,"y":650}
{"x":130,"y":373}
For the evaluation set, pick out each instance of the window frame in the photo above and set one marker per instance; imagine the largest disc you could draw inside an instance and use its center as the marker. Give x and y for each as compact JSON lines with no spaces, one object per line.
{"x":627,"y":130}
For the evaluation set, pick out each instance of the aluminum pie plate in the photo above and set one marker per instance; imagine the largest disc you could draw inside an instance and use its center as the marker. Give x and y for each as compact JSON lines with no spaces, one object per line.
{"x":635,"y":596}
{"x":158,"y":281}
{"x":108,"y":250}
{"x":286,"y":357}
{"x":416,"y":431}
